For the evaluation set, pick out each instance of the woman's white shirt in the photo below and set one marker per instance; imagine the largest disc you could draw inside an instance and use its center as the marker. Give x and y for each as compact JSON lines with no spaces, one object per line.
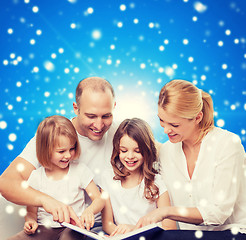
{"x":218,"y":184}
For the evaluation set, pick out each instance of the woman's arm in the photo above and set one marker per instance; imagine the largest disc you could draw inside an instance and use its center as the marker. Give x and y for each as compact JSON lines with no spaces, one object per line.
{"x":227,"y":179}
{"x":182,"y":214}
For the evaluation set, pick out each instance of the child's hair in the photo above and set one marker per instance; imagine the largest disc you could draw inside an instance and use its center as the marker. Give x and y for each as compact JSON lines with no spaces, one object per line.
{"x":47,"y":137}
{"x":140,"y":132}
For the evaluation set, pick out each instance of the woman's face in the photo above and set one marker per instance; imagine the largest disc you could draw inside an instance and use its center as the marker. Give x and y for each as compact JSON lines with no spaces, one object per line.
{"x":178,"y":129}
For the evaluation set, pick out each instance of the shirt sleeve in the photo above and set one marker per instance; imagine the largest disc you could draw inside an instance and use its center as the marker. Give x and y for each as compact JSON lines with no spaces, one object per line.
{"x":29,"y":153}
{"x":226,"y":183}
{"x":34,"y":179}
{"x":103,"y":180}
{"x":86,"y":175}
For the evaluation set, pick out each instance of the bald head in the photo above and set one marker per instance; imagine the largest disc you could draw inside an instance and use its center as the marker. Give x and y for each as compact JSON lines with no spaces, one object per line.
{"x":96,"y":84}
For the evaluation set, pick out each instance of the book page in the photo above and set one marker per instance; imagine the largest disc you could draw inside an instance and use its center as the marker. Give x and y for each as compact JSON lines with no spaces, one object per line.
{"x":144,"y":231}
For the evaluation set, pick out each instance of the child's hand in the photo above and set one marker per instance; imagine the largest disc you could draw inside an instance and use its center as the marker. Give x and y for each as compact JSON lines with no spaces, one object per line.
{"x":87,"y":218}
{"x":30,"y":227}
{"x":60,"y":211}
{"x":121,"y":229}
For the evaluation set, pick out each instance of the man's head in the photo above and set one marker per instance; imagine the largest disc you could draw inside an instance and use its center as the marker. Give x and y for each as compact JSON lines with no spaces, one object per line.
{"x":94,"y":107}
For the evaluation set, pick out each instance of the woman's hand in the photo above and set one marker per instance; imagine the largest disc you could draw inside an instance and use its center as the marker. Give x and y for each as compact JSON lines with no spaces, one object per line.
{"x":87,"y":219}
{"x":154,"y":216}
{"x":121,"y":229}
{"x":30,"y":227}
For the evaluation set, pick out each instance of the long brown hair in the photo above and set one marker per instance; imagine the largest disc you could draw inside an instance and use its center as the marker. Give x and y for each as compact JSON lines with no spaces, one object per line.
{"x":139,"y":131}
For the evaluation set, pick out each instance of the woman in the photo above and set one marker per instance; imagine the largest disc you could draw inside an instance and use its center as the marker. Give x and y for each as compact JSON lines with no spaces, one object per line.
{"x":202,"y":165}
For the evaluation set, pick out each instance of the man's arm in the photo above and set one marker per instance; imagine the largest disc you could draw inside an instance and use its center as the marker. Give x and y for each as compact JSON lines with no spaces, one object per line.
{"x":13,"y":186}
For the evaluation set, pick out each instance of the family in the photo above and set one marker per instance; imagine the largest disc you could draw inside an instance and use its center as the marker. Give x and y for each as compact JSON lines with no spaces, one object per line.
{"x":110,"y":177}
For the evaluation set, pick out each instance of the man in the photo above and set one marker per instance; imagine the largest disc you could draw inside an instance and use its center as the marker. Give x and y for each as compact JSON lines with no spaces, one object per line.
{"x":94,"y":109}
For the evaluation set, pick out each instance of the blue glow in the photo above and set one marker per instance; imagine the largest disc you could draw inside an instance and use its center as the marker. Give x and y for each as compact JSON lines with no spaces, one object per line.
{"x":47,"y":47}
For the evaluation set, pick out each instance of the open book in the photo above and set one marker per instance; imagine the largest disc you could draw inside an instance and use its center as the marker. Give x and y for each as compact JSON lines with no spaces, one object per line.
{"x":148,"y":232}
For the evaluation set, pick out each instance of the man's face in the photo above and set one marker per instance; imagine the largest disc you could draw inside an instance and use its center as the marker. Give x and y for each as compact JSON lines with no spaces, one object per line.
{"x":95,"y":113}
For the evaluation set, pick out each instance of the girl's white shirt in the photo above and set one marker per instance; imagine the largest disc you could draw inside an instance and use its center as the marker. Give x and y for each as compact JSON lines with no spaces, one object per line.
{"x":128,"y":204}
{"x":218,"y":184}
{"x":69,"y":190}
{"x":95,"y":154}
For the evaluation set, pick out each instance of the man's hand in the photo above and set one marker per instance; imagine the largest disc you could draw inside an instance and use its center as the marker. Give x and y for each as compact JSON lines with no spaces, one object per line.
{"x":30,"y":227}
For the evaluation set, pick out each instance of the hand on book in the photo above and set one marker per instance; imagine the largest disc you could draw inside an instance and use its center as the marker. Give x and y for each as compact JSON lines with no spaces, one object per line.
{"x":87,"y":219}
{"x":60,"y":211}
{"x":152,"y":217}
{"x":121,"y":229}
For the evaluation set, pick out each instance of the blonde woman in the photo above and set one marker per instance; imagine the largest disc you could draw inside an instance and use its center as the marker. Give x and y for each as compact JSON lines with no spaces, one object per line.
{"x":203,"y":165}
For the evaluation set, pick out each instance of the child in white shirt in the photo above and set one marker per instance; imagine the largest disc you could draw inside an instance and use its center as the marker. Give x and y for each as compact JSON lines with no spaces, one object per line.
{"x":133,"y":187}
{"x":61,"y":177}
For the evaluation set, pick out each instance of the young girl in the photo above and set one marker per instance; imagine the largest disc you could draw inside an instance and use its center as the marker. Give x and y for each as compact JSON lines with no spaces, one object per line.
{"x":133,"y":186}
{"x":62,"y":178}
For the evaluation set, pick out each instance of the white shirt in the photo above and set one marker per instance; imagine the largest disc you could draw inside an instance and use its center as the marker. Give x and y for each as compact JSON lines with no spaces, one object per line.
{"x":95,"y":154}
{"x":128,"y":204}
{"x":69,"y":190}
{"x":218,"y":184}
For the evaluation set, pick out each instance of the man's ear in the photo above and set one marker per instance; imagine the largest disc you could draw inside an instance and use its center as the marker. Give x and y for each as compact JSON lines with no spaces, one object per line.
{"x":75,"y":108}
{"x":199,"y":117}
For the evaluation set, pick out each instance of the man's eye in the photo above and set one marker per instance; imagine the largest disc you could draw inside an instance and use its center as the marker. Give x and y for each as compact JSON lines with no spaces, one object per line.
{"x":106,"y":116}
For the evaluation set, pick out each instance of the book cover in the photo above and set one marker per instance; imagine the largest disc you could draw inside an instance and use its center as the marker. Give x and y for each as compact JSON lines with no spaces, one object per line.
{"x":148,"y":232}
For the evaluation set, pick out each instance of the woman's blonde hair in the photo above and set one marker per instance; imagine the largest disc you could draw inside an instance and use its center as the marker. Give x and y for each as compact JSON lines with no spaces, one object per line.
{"x":185,"y":100}
{"x":139,"y":131}
{"x":47,"y":137}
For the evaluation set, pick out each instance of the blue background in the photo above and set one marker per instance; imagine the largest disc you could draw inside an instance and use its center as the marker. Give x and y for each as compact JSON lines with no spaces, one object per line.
{"x":47,"y":47}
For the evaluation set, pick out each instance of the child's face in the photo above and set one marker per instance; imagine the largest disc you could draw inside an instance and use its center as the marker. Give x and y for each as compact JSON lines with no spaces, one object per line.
{"x":130,"y":155}
{"x":64,"y":152}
